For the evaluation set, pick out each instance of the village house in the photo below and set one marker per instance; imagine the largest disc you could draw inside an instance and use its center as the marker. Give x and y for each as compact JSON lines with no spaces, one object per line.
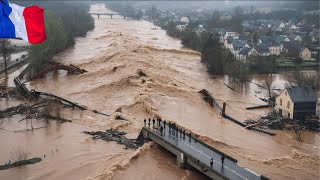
{"x":304,"y":53}
{"x":296,"y":102}
{"x":228,"y":43}
{"x":237,"y":45}
{"x":235,"y":35}
{"x":221,"y":32}
{"x":295,"y":37}
{"x":291,"y":26}
{"x":275,"y":48}
{"x":246,"y":52}
{"x":262,"y":50}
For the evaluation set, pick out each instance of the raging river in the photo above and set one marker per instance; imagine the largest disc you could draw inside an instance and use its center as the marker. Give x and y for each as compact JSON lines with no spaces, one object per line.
{"x":112,"y":54}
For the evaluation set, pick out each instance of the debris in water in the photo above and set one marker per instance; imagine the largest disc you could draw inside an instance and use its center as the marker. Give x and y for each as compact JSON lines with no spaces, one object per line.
{"x":273,"y":121}
{"x":30,"y":111}
{"x":117,"y":136}
{"x":120,"y":117}
{"x":141,"y":73}
{"x":207,"y":97}
{"x":20,"y":163}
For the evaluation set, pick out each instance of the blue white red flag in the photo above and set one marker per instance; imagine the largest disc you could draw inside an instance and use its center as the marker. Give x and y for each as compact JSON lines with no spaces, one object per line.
{"x":22,"y":22}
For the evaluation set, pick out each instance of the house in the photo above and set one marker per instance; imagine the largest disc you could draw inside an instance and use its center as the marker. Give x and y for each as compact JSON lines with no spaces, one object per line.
{"x":232,"y":34}
{"x":295,"y":37}
{"x":228,"y":42}
{"x":304,"y":53}
{"x":221,"y":33}
{"x":296,"y":102}
{"x":246,"y":52}
{"x":281,"y":38}
{"x":237,"y":45}
{"x":262,"y":50}
{"x":275,"y":48}
{"x":278,"y":26}
{"x":287,"y":45}
{"x":291,"y":26}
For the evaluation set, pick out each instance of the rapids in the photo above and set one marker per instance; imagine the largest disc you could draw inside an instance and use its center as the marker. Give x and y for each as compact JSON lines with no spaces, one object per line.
{"x":113,"y":54}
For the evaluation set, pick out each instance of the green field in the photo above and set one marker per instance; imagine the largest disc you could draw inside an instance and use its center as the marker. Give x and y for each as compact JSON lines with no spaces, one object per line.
{"x":283,"y":63}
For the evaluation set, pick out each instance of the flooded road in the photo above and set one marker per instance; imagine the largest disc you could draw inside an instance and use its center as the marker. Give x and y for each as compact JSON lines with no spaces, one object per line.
{"x":114,"y":54}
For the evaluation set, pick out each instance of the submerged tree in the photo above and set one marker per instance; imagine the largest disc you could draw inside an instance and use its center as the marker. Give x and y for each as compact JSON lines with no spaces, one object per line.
{"x":19,"y":153}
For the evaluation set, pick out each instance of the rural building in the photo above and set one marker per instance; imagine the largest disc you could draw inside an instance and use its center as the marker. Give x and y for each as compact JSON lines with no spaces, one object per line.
{"x":246,"y":52}
{"x":232,"y":34}
{"x":295,"y":37}
{"x":296,"y":102}
{"x":304,"y":53}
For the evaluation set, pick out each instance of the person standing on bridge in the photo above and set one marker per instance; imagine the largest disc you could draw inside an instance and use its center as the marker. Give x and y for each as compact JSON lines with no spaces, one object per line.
{"x":222,"y":160}
{"x":161,"y":130}
{"x":153,"y":122}
{"x":211,"y":162}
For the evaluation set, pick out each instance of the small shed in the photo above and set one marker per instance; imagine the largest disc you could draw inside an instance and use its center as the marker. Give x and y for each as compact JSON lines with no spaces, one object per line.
{"x":296,"y":102}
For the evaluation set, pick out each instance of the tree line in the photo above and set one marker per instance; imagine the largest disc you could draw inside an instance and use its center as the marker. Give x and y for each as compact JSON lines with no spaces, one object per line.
{"x":64,"y":21}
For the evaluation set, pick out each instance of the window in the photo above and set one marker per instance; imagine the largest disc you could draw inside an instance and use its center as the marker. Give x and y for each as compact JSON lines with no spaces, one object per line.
{"x":286,"y":93}
{"x":288,"y":105}
{"x":280,"y":102}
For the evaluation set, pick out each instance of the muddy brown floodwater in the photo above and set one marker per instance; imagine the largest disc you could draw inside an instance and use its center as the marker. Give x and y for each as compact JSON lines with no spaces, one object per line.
{"x":112,"y":54}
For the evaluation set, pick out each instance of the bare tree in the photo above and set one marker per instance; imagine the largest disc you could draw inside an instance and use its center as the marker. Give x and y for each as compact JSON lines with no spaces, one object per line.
{"x":267,"y":85}
{"x":19,"y":153}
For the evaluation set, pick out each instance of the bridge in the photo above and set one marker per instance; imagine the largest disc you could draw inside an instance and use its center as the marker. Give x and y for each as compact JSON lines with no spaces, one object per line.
{"x":109,"y":14}
{"x":191,"y":151}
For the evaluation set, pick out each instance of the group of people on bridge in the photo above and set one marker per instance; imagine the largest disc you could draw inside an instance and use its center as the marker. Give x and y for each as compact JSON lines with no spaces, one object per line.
{"x":173,"y":130}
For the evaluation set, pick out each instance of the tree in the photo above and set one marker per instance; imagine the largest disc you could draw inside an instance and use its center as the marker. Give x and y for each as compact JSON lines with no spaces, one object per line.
{"x":5,"y":43}
{"x":267,"y":85}
{"x":56,"y":41}
{"x":19,"y":154}
{"x":262,"y":64}
{"x":215,"y":56}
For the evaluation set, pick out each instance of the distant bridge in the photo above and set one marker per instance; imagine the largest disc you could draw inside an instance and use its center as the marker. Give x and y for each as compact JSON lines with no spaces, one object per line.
{"x":110,"y":14}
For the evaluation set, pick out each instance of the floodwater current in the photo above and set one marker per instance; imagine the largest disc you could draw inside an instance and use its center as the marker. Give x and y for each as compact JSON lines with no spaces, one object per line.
{"x":113,"y":54}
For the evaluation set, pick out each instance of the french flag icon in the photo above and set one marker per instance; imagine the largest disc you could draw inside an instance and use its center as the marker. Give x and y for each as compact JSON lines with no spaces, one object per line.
{"x":26,"y":23}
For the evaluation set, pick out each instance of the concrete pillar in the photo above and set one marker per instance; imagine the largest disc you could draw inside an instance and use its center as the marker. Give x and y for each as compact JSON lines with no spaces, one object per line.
{"x":181,"y":160}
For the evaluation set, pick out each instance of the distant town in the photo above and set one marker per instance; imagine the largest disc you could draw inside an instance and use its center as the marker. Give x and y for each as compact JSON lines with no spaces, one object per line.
{"x":294,"y":39}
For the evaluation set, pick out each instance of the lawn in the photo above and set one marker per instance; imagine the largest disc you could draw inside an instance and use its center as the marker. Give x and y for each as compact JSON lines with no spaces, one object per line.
{"x":287,"y":63}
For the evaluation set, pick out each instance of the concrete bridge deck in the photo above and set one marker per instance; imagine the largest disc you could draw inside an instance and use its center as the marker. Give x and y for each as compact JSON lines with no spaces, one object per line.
{"x":191,"y":151}
{"x":109,"y":14}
